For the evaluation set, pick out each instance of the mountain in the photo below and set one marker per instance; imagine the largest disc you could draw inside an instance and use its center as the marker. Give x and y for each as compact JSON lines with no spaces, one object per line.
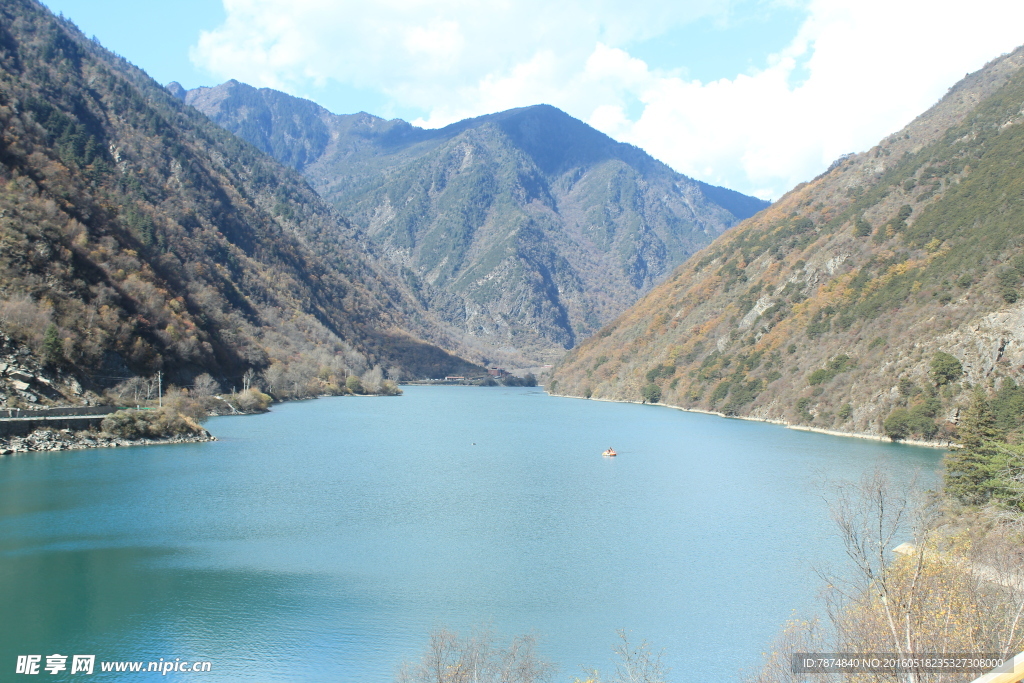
{"x":872,"y":299}
{"x":138,"y":237}
{"x":524,"y":230}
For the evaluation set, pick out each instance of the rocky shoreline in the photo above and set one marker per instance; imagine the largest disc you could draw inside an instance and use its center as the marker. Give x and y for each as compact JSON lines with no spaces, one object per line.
{"x":66,"y":440}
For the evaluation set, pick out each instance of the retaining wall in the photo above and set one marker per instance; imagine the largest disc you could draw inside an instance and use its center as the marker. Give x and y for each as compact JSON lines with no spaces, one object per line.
{"x":23,"y":426}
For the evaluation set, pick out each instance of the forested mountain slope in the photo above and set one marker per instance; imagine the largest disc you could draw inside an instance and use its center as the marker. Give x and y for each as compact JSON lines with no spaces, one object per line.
{"x":527,"y":230}
{"x":868,"y":300}
{"x":145,"y":238}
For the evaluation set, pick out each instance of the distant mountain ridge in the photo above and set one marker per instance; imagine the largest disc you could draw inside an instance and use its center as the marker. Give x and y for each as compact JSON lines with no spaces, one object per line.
{"x":874,"y":299}
{"x":526,"y":230}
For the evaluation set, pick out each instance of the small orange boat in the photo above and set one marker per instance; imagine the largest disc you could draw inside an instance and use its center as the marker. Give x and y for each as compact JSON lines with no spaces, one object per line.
{"x":610,"y":453}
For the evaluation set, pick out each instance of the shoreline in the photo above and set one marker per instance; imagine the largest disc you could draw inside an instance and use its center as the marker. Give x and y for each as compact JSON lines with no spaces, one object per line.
{"x":48,"y":440}
{"x":43,"y":440}
{"x":783,"y":423}
{"x":51,"y":441}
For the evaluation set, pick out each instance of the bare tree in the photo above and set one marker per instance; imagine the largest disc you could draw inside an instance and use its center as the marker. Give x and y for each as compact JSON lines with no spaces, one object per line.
{"x":204,"y":385}
{"x":958,"y":588}
{"x":869,"y":517}
{"x":373,"y":379}
{"x":274,"y":377}
{"x":248,"y":379}
{"x":638,"y":664}
{"x":797,"y":636}
{"x":476,"y":659}
{"x":134,"y":387}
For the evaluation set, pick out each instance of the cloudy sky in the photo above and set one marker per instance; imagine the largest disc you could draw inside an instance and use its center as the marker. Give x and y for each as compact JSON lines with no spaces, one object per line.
{"x":756,"y":95}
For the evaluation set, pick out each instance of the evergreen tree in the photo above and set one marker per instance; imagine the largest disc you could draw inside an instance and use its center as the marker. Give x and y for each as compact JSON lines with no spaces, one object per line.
{"x":973,"y":468}
{"x":53,"y":346}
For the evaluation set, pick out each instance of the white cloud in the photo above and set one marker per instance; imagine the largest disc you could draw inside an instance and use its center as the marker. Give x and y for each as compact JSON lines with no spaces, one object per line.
{"x":856,"y":71}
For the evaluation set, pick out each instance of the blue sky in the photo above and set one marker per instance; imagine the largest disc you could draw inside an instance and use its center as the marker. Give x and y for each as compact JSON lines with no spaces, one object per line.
{"x":756,"y":95}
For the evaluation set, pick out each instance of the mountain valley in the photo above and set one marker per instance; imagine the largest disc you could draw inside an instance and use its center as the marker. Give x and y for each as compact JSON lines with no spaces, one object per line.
{"x":524,"y":231}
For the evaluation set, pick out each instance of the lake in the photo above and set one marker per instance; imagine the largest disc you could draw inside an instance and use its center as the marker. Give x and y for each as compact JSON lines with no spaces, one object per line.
{"x":325,"y":540}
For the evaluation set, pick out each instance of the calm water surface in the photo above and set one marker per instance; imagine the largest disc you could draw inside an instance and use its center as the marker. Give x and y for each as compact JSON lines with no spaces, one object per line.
{"x":323,"y":541}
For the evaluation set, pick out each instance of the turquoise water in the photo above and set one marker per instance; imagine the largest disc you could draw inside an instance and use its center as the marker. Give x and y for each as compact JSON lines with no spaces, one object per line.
{"x":323,"y":541}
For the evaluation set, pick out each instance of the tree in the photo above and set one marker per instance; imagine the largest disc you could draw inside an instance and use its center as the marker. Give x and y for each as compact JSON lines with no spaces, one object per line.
{"x":637,"y":663}
{"x":204,"y":385}
{"x":879,"y":606}
{"x":972,"y":468}
{"x":53,"y":346}
{"x":372,"y":380}
{"x":949,"y":591}
{"x":134,"y":387}
{"x":353,"y":384}
{"x":897,"y":424}
{"x":651,"y":393}
{"x":796,"y":636}
{"x":273,"y":377}
{"x":476,"y":659}
{"x":248,"y":378}
{"x":945,"y":368}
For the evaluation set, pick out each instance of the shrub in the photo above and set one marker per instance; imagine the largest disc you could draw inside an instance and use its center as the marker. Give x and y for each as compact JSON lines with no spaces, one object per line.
{"x":354,"y":384}
{"x":179,"y":401}
{"x":821,"y":322}
{"x":945,"y":368}
{"x":127,"y":424}
{"x":897,"y":424}
{"x":251,"y":401}
{"x":837,"y":365}
{"x":820,"y":376}
{"x":902,"y":422}
{"x":907,"y":387}
{"x":660,"y":371}
{"x":389,"y":388}
{"x":153,"y":424}
{"x":863,"y":228}
{"x":721,"y":391}
{"x":801,"y":408}
{"x":900,"y":222}
{"x":742,"y":393}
